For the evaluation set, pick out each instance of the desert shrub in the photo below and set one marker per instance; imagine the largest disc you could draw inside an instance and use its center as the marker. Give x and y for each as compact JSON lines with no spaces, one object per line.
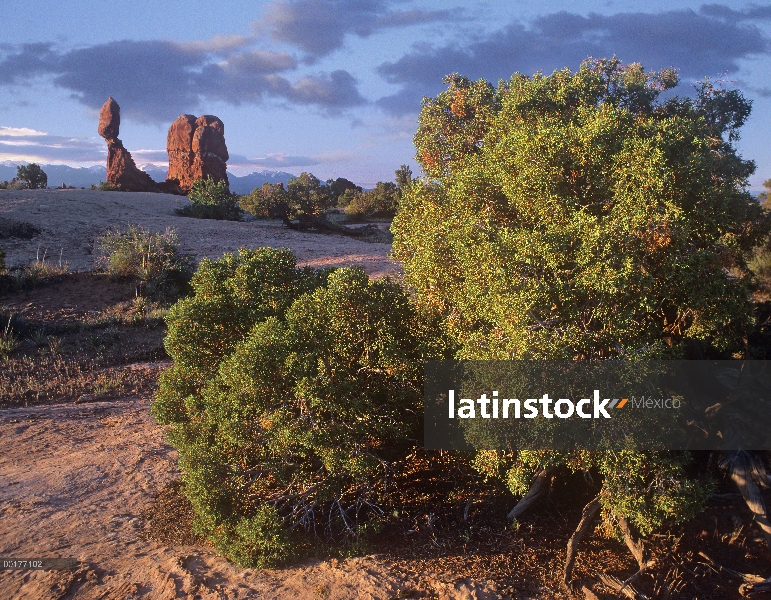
{"x":152,"y":260}
{"x":212,"y":200}
{"x":14,"y":184}
{"x":8,"y":341}
{"x":380,"y":202}
{"x":290,"y":393}
{"x":32,"y":176}
{"x":760,"y":265}
{"x":106,"y":186}
{"x":577,"y":216}
{"x":302,"y":203}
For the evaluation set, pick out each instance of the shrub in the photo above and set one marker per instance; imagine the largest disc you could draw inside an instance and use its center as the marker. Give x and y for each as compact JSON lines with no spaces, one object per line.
{"x":212,"y":200}
{"x":291,"y":391}
{"x":14,"y":184}
{"x":303,"y":202}
{"x":32,"y":176}
{"x":380,"y":202}
{"x":575,"y":216}
{"x":106,"y":186}
{"x":152,"y":260}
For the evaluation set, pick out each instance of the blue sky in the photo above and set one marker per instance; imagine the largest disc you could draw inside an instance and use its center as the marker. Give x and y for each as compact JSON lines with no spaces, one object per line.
{"x":334,"y":86}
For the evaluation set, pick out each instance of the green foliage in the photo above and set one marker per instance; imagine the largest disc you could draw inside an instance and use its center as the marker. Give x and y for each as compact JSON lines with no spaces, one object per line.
{"x":340,"y":186}
{"x":291,"y":391}
{"x":763,"y":196}
{"x":576,"y":216}
{"x":304,"y":200}
{"x":32,"y":176}
{"x":403,"y":178}
{"x":572,"y":215}
{"x":212,"y":200}
{"x":380,"y":202}
{"x":760,"y":265}
{"x":106,"y":186}
{"x":152,"y":260}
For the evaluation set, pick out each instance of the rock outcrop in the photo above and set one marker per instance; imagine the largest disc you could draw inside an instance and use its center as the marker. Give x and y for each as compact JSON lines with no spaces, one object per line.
{"x":121,"y":169}
{"x":197,"y":150}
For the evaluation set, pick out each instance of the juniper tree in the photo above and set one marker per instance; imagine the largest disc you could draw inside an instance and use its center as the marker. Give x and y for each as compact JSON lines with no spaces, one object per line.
{"x":578,"y":216}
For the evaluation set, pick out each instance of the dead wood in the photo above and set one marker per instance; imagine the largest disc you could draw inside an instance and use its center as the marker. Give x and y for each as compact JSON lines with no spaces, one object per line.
{"x":741,"y":467}
{"x":537,"y":489}
{"x":590,"y":511}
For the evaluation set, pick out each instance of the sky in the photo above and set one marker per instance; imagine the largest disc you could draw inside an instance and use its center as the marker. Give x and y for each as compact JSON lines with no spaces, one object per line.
{"x":334,"y":87}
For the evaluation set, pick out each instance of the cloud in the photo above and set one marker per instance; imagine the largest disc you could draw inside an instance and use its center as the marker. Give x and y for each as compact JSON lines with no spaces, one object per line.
{"x":710,"y":41}
{"x":271,"y":160}
{"x":28,"y":145}
{"x":283,"y":161}
{"x":155,"y":81}
{"x":218,"y":44}
{"x":318,"y":27}
{"x":12,"y":132}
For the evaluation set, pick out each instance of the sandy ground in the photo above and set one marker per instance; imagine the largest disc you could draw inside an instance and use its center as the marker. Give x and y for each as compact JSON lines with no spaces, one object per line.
{"x":72,"y":219}
{"x":74,"y":482}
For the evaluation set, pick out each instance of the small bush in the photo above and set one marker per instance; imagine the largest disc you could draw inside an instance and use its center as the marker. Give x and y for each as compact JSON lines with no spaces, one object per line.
{"x":212,"y":200}
{"x":153,"y":260}
{"x":292,"y":391}
{"x":304,"y":202}
{"x":106,"y":186}
{"x":760,"y":265}
{"x":14,"y":184}
{"x":8,"y":341}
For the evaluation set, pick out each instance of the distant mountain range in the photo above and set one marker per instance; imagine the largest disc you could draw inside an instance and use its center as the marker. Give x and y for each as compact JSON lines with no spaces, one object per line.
{"x":88,"y":176}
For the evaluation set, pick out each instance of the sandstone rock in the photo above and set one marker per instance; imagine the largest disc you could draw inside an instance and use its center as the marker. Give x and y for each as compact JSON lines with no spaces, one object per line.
{"x":121,"y":168}
{"x":197,"y":150}
{"x":109,"y":120}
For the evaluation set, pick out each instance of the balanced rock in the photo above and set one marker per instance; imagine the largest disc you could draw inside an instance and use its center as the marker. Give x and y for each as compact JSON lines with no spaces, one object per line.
{"x":109,"y":120}
{"x":121,"y":169}
{"x":196,"y":149}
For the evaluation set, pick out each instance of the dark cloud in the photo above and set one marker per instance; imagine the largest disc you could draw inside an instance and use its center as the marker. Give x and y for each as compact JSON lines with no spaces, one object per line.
{"x":319,"y":27}
{"x":158,"y":80}
{"x":711,"y":41}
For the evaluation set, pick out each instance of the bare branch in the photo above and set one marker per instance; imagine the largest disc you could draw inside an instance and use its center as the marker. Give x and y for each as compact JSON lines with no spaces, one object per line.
{"x":590,"y":511}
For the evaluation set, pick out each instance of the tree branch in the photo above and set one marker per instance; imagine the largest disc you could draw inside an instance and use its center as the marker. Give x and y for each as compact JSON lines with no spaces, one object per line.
{"x":590,"y":511}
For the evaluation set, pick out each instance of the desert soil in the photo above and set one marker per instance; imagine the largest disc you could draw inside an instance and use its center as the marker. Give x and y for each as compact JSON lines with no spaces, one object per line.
{"x":77,"y":479}
{"x":71,"y":220}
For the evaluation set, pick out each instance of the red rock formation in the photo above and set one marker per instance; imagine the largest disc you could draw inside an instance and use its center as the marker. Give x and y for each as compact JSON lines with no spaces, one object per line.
{"x":196,"y":149}
{"x":121,"y":169}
